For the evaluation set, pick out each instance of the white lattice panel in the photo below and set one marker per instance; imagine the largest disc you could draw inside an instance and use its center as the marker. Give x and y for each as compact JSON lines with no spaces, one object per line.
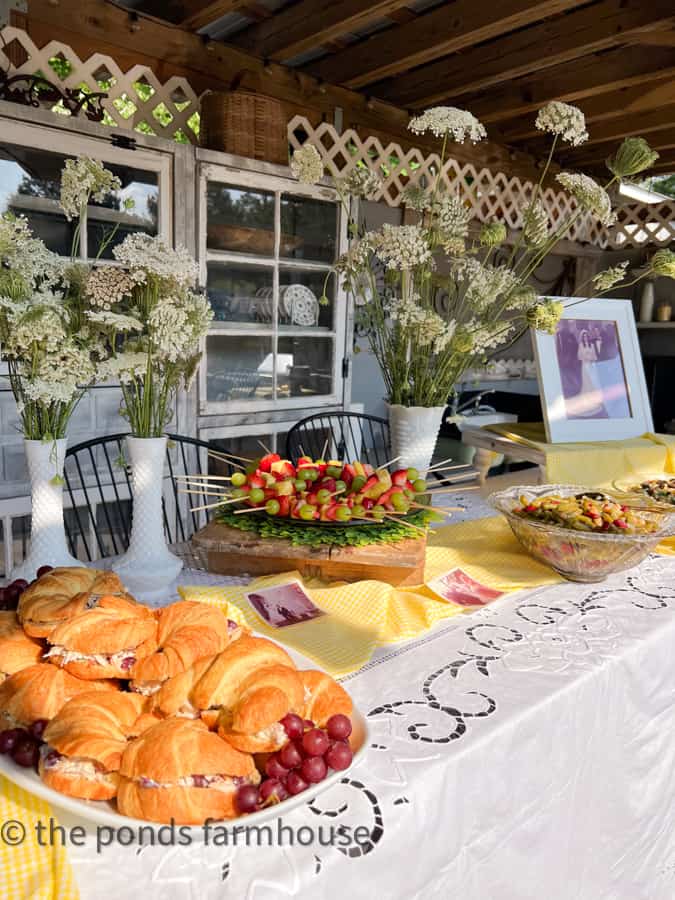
{"x":638,"y":225}
{"x":136,"y":98}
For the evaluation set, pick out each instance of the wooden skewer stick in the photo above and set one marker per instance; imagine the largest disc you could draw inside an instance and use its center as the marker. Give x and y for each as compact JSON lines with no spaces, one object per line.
{"x":437,"y":469}
{"x":264,"y":446}
{"x":223,"y":458}
{"x":212,"y":505}
{"x":441,"y":463}
{"x":325,"y":447}
{"x":453,"y":489}
{"x":302,"y":450}
{"x":403,"y":522}
{"x":238,"y":512}
{"x":203,"y":493}
{"x":205,"y":486}
{"x":389,"y":463}
{"x":205,"y":477}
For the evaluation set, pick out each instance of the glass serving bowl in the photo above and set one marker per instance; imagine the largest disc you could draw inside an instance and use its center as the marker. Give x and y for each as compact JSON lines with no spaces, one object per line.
{"x":578,"y":555}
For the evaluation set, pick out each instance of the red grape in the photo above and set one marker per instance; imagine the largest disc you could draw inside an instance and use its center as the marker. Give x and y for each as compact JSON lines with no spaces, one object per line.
{"x":20,"y":583}
{"x":37,"y":729}
{"x":313,"y":769}
{"x":295,"y":783}
{"x":338,"y":727}
{"x":12,"y":594}
{"x":339,"y":756}
{"x":274,"y":768}
{"x":272,"y":790}
{"x":246,"y":799}
{"x":293,"y":725}
{"x":315,"y":742}
{"x":26,"y":752}
{"x":290,"y":755}
{"x":43,"y":570}
{"x":9,"y":738}
{"x":3,"y":599}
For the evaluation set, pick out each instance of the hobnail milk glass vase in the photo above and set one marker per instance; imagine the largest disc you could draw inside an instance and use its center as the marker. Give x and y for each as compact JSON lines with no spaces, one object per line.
{"x":413,"y":433}
{"x":47,"y":535}
{"x":148,"y":567}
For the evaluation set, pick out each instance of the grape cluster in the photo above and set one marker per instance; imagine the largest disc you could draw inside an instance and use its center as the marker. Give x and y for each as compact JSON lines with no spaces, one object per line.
{"x":9,"y":596}
{"x":303,"y":760}
{"x":23,"y":744}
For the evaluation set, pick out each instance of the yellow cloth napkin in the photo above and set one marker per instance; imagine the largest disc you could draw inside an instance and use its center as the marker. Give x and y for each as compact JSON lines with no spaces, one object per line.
{"x":598,"y":463}
{"x":27,"y":870}
{"x":366,"y":614}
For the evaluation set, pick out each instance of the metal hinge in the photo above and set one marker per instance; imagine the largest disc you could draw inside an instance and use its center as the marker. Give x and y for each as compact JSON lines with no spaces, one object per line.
{"x":124,"y":142}
{"x":345,"y":367}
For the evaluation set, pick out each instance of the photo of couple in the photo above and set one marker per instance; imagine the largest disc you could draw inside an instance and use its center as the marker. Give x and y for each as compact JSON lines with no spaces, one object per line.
{"x":591,"y":370}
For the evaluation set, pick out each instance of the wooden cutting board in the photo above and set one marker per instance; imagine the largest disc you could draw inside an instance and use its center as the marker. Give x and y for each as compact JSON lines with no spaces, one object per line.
{"x":230,"y":551}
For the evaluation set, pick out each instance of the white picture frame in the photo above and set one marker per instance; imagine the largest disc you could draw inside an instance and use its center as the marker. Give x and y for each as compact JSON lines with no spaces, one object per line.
{"x":591,"y":377}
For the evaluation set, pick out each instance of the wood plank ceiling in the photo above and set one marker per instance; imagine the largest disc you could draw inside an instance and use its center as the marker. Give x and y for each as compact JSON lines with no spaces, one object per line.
{"x":501,"y":59}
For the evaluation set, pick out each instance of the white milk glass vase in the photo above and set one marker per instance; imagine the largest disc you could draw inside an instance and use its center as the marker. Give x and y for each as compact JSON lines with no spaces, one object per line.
{"x":414,"y":432}
{"x":148,"y":567}
{"x":47,"y":534}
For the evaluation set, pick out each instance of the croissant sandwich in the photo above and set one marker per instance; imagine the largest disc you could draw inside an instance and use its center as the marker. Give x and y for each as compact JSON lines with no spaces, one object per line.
{"x":324,"y":697}
{"x":84,"y":743}
{"x":180,"y":770}
{"x":17,"y":650}
{"x":106,"y":641}
{"x":215,"y":681}
{"x":61,"y":594}
{"x":187,"y":631}
{"x":39,"y":692}
{"x":265,"y":696}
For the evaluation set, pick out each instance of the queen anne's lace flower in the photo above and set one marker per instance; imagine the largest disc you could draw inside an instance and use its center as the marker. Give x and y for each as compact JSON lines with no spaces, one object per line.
{"x":431,"y":329}
{"x":26,"y":256}
{"x":106,"y":287}
{"x":605,"y":281}
{"x":633,"y":156}
{"x":492,"y":234}
{"x":663,"y":263}
{"x":545,"y":316}
{"x":448,"y":121}
{"x":306,"y":164}
{"x":451,"y":218}
{"x":81,"y":179}
{"x":589,"y":194}
{"x":146,"y":255}
{"x":60,"y":376}
{"x":115,"y":321}
{"x":416,"y":197}
{"x":360,"y":182}
{"x":403,"y":247}
{"x":535,"y":224}
{"x":564,"y":120}
{"x":124,"y":367}
{"x":483,"y":285}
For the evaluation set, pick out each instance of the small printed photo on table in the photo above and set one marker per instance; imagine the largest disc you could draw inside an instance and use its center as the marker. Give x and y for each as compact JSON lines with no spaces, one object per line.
{"x":592,"y":372}
{"x":283,"y":605}
{"x":458,"y":587}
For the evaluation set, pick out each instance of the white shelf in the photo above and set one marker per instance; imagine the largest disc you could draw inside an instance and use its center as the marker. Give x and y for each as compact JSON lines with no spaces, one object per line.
{"x":656,"y":324}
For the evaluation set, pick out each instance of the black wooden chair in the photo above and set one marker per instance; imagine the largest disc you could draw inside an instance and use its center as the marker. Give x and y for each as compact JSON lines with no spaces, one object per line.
{"x":349,"y":435}
{"x":98,"y":491}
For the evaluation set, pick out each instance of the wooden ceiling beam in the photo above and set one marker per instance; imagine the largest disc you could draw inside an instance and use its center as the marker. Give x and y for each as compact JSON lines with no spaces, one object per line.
{"x":600,"y":108}
{"x":200,"y":13}
{"x":310,"y":24}
{"x":445,"y":29}
{"x":103,"y":27}
{"x":656,"y":39}
{"x":568,"y":37}
{"x":590,"y":76}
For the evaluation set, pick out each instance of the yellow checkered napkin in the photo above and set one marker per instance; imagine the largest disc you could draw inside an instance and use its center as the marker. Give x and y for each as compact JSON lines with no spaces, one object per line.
{"x":27,"y":870}
{"x":366,"y":614}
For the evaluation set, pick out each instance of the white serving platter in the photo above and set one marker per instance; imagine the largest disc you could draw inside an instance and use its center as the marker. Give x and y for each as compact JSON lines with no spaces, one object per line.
{"x":104,"y":812}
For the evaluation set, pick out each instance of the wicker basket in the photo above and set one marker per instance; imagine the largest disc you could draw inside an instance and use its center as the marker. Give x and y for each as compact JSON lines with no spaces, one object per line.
{"x":246,"y":124}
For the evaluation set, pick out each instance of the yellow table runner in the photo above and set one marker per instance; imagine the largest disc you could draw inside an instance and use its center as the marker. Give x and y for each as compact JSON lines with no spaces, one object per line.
{"x":598,"y":463}
{"x":366,"y":614}
{"x":29,"y":871}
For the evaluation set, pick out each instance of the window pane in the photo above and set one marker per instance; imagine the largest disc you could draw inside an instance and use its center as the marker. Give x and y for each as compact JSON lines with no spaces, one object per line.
{"x":239,"y":220}
{"x":241,"y":293}
{"x":300,"y":303}
{"x":29,"y":186}
{"x":305,"y":366}
{"x":240,"y":367}
{"x":138,"y":185}
{"x":308,"y":229}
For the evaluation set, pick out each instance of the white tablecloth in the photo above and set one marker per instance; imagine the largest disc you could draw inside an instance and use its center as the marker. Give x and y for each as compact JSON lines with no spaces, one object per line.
{"x":524,"y":751}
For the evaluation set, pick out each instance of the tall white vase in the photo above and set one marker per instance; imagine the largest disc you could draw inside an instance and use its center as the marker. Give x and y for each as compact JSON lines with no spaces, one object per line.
{"x":148,"y":567}
{"x":414,"y":431}
{"x":47,"y":535}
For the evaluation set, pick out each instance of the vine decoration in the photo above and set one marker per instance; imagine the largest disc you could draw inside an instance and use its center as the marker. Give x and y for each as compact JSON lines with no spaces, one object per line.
{"x":35,"y":90}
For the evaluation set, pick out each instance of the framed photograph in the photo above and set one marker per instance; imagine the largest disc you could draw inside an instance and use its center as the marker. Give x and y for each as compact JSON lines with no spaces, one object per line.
{"x":283,"y":605}
{"x":459,"y":587}
{"x":591,"y":377}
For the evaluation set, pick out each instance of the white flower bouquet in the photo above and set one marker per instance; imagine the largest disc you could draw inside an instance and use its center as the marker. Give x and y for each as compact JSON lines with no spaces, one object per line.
{"x":153,"y":322}
{"x":454,"y":290}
